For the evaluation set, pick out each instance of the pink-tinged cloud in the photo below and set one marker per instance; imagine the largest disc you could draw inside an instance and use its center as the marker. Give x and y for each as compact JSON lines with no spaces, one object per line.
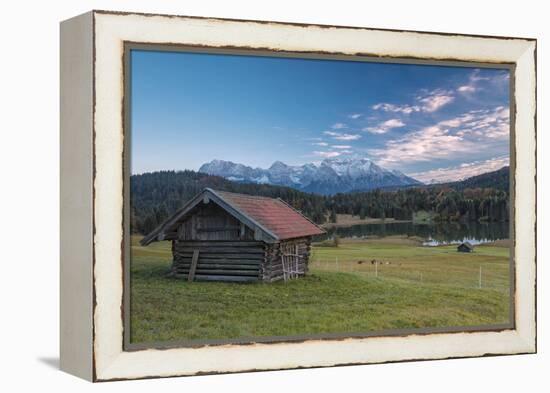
{"x":482,"y":124}
{"x":466,"y":89}
{"x":342,"y":136}
{"x":462,"y":171}
{"x":385,"y":126}
{"x":429,"y":102}
{"x":434,"y":100}
{"x":405,"y":109}
{"x":327,"y":154}
{"x":478,"y":82}
{"x":449,"y":139}
{"x":425,"y":145}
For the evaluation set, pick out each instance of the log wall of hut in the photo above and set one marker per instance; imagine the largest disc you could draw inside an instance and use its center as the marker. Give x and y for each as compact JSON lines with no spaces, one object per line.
{"x":220,"y":260}
{"x":226,"y":247}
{"x":294,"y":254}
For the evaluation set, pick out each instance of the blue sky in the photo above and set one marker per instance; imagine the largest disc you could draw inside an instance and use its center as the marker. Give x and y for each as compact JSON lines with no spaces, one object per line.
{"x":432,"y":122}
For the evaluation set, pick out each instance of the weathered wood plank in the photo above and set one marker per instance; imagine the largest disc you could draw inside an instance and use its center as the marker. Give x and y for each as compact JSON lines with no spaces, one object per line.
{"x":219,"y":229}
{"x":229,"y":250}
{"x":217,"y":266}
{"x":252,"y":262}
{"x":193,"y":265}
{"x":201,"y":277}
{"x":216,"y":272}
{"x":193,"y":227}
{"x":219,"y":243}
{"x":259,"y":257}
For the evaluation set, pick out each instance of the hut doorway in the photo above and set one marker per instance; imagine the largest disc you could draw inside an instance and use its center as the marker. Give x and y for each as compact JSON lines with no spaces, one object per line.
{"x":290,"y":259}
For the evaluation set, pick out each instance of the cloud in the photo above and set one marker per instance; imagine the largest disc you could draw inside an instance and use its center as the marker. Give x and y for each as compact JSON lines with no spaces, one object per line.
{"x":424,"y":145}
{"x":462,"y":171}
{"x":476,"y":79}
{"x":476,"y":76}
{"x":435,"y":99}
{"x":385,"y":126}
{"x":406,"y":109}
{"x":456,"y":121}
{"x":327,"y":154}
{"x":320,"y":144}
{"x":355,"y":115}
{"x":339,"y":126}
{"x":341,"y":147}
{"x":466,"y":89}
{"x":427,"y":101}
{"x":342,"y":136}
{"x":468,"y":133}
{"x":486,"y":123}
{"x":472,"y":85}
{"x":347,"y":137}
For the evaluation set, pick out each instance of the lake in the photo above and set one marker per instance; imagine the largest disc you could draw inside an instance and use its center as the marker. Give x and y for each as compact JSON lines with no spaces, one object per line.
{"x":433,"y":234}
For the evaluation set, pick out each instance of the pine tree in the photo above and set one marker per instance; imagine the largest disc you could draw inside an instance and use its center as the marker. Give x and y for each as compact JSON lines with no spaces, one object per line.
{"x":333,"y":217}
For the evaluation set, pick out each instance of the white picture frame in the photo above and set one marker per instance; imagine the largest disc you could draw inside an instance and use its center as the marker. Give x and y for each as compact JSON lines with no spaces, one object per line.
{"x":93,"y":192}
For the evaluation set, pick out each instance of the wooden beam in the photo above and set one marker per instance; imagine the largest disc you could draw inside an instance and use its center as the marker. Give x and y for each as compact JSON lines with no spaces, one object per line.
{"x":193,"y":227}
{"x":194,"y":261}
{"x":205,"y":277}
{"x":219,"y":250}
{"x":225,"y":272}
{"x":219,"y":243}
{"x":223,"y":266}
{"x":205,"y":259}
{"x":258,"y":235}
{"x":219,"y":229}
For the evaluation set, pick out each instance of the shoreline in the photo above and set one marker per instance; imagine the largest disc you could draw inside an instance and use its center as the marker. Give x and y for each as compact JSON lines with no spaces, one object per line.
{"x":349,"y":221}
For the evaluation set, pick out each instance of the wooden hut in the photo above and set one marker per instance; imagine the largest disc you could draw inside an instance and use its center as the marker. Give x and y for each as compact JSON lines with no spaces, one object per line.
{"x":223,"y":236}
{"x":465,"y":247}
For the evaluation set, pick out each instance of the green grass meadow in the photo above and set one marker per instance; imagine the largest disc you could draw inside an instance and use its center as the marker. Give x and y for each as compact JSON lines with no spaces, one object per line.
{"x":408,"y":286}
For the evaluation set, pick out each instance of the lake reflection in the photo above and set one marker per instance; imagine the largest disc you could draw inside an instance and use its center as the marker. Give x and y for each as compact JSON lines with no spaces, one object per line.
{"x":433,"y":234}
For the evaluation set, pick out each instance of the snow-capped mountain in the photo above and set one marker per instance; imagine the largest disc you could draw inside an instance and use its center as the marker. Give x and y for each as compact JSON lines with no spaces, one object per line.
{"x":331,"y":176}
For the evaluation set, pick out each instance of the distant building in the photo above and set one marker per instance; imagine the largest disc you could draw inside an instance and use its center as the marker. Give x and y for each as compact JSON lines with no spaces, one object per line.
{"x":222,"y":236}
{"x":465,"y":247}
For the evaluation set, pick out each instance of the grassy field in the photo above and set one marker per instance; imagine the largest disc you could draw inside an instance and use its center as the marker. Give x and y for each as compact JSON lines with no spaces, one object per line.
{"x":423,"y":216}
{"x":408,"y":286}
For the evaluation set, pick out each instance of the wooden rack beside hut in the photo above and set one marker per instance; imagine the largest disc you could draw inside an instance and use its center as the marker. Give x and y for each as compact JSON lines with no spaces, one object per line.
{"x":223,"y":236}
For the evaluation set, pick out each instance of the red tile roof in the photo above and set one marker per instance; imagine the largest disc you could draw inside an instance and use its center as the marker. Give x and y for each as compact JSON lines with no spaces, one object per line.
{"x":273,"y":214}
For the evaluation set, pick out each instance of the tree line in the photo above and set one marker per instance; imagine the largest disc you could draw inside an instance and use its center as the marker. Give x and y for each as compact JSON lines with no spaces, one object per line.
{"x":155,"y":196}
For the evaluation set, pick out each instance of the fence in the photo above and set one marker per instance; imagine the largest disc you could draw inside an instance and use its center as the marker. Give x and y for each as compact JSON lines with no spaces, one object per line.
{"x":473,"y":275}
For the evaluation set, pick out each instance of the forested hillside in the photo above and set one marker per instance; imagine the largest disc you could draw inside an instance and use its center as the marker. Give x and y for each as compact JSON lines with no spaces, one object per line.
{"x":499,"y":180}
{"x":154,"y":196}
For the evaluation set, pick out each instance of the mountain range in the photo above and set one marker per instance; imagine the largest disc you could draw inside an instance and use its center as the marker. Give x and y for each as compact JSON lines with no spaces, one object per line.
{"x":331,"y":176}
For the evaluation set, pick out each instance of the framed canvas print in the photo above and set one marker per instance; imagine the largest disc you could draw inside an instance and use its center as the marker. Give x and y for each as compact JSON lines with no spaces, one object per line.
{"x":246,"y":195}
